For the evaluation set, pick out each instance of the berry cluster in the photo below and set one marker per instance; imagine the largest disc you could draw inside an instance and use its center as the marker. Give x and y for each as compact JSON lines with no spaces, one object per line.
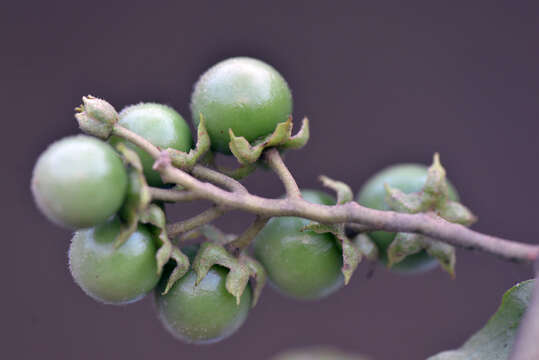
{"x":105,"y":185}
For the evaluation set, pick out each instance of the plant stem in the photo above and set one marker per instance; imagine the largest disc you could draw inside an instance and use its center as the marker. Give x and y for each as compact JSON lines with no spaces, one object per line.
{"x":216,"y":177}
{"x":244,"y":240}
{"x":427,"y":224}
{"x":203,"y":218}
{"x":170,"y":195}
{"x":277,"y":164}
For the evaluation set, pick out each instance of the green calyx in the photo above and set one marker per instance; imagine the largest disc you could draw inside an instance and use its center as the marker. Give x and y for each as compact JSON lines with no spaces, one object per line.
{"x":433,"y":198}
{"x":281,"y":138}
{"x":241,"y":269}
{"x":96,"y":117}
{"x":351,"y":254}
{"x":138,"y":208}
{"x":185,"y":160}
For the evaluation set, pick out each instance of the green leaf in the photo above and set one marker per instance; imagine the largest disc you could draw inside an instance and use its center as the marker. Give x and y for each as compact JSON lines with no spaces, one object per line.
{"x":318,"y":353}
{"x":495,"y":340}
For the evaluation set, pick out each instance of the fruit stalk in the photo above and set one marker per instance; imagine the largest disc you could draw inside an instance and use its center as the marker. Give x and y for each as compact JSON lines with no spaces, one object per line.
{"x":278,"y":166}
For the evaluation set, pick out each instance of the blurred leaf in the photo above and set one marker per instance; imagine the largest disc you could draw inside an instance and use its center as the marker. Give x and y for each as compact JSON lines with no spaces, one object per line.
{"x":495,"y":340}
{"x":366,"y":246}
{"x":318,"y":353}
{"x":457,"y":213}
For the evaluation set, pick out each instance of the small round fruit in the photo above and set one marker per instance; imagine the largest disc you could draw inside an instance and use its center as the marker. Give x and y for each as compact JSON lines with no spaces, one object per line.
{"x":110,"y":275}
{"x":79,"y":182}
{"x":300,"y":264}
{"x":159,"y":124}
{"x":408,"y":178}
{"x":203,"y":313}
{"x":243,"y":94}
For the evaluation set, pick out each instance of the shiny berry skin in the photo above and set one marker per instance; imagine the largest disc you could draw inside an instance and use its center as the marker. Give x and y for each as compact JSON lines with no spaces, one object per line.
{"x":300,"y":264}
{"x":110,"y":275}
{"x":79,"y":182}
{"x":159,"y":124}
{"x":203,"y":313}
{"x":243,"y":94}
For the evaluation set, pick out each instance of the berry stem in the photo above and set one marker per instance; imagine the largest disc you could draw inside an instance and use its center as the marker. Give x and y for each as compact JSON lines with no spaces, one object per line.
{"x":244,"y":240}
{"x":170,"y":195}
{"x":204,"y":217}
{"x":275,"y":161}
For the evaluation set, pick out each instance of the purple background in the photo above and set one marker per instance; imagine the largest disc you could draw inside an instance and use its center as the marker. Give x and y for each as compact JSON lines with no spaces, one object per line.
{"x":381,"y":82}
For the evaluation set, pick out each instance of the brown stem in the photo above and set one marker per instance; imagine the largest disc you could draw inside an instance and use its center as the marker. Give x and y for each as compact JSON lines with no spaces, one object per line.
{"x":170,"y":195}
{"x":277,"y":164}
{"x":216,"y":177}
{"x":351,"y":212}
{"x":244,"y":240}
{"x":203,"y":218}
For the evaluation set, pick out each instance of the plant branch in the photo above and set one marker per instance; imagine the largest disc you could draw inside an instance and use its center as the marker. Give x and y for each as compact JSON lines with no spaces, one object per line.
{"x":216,"y":177}
{"x":351,"y":212}
{"x":204,"y":217}
{"x":170,"y":195}
{"x":244,"y":240}
{"x":276,"y":163}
